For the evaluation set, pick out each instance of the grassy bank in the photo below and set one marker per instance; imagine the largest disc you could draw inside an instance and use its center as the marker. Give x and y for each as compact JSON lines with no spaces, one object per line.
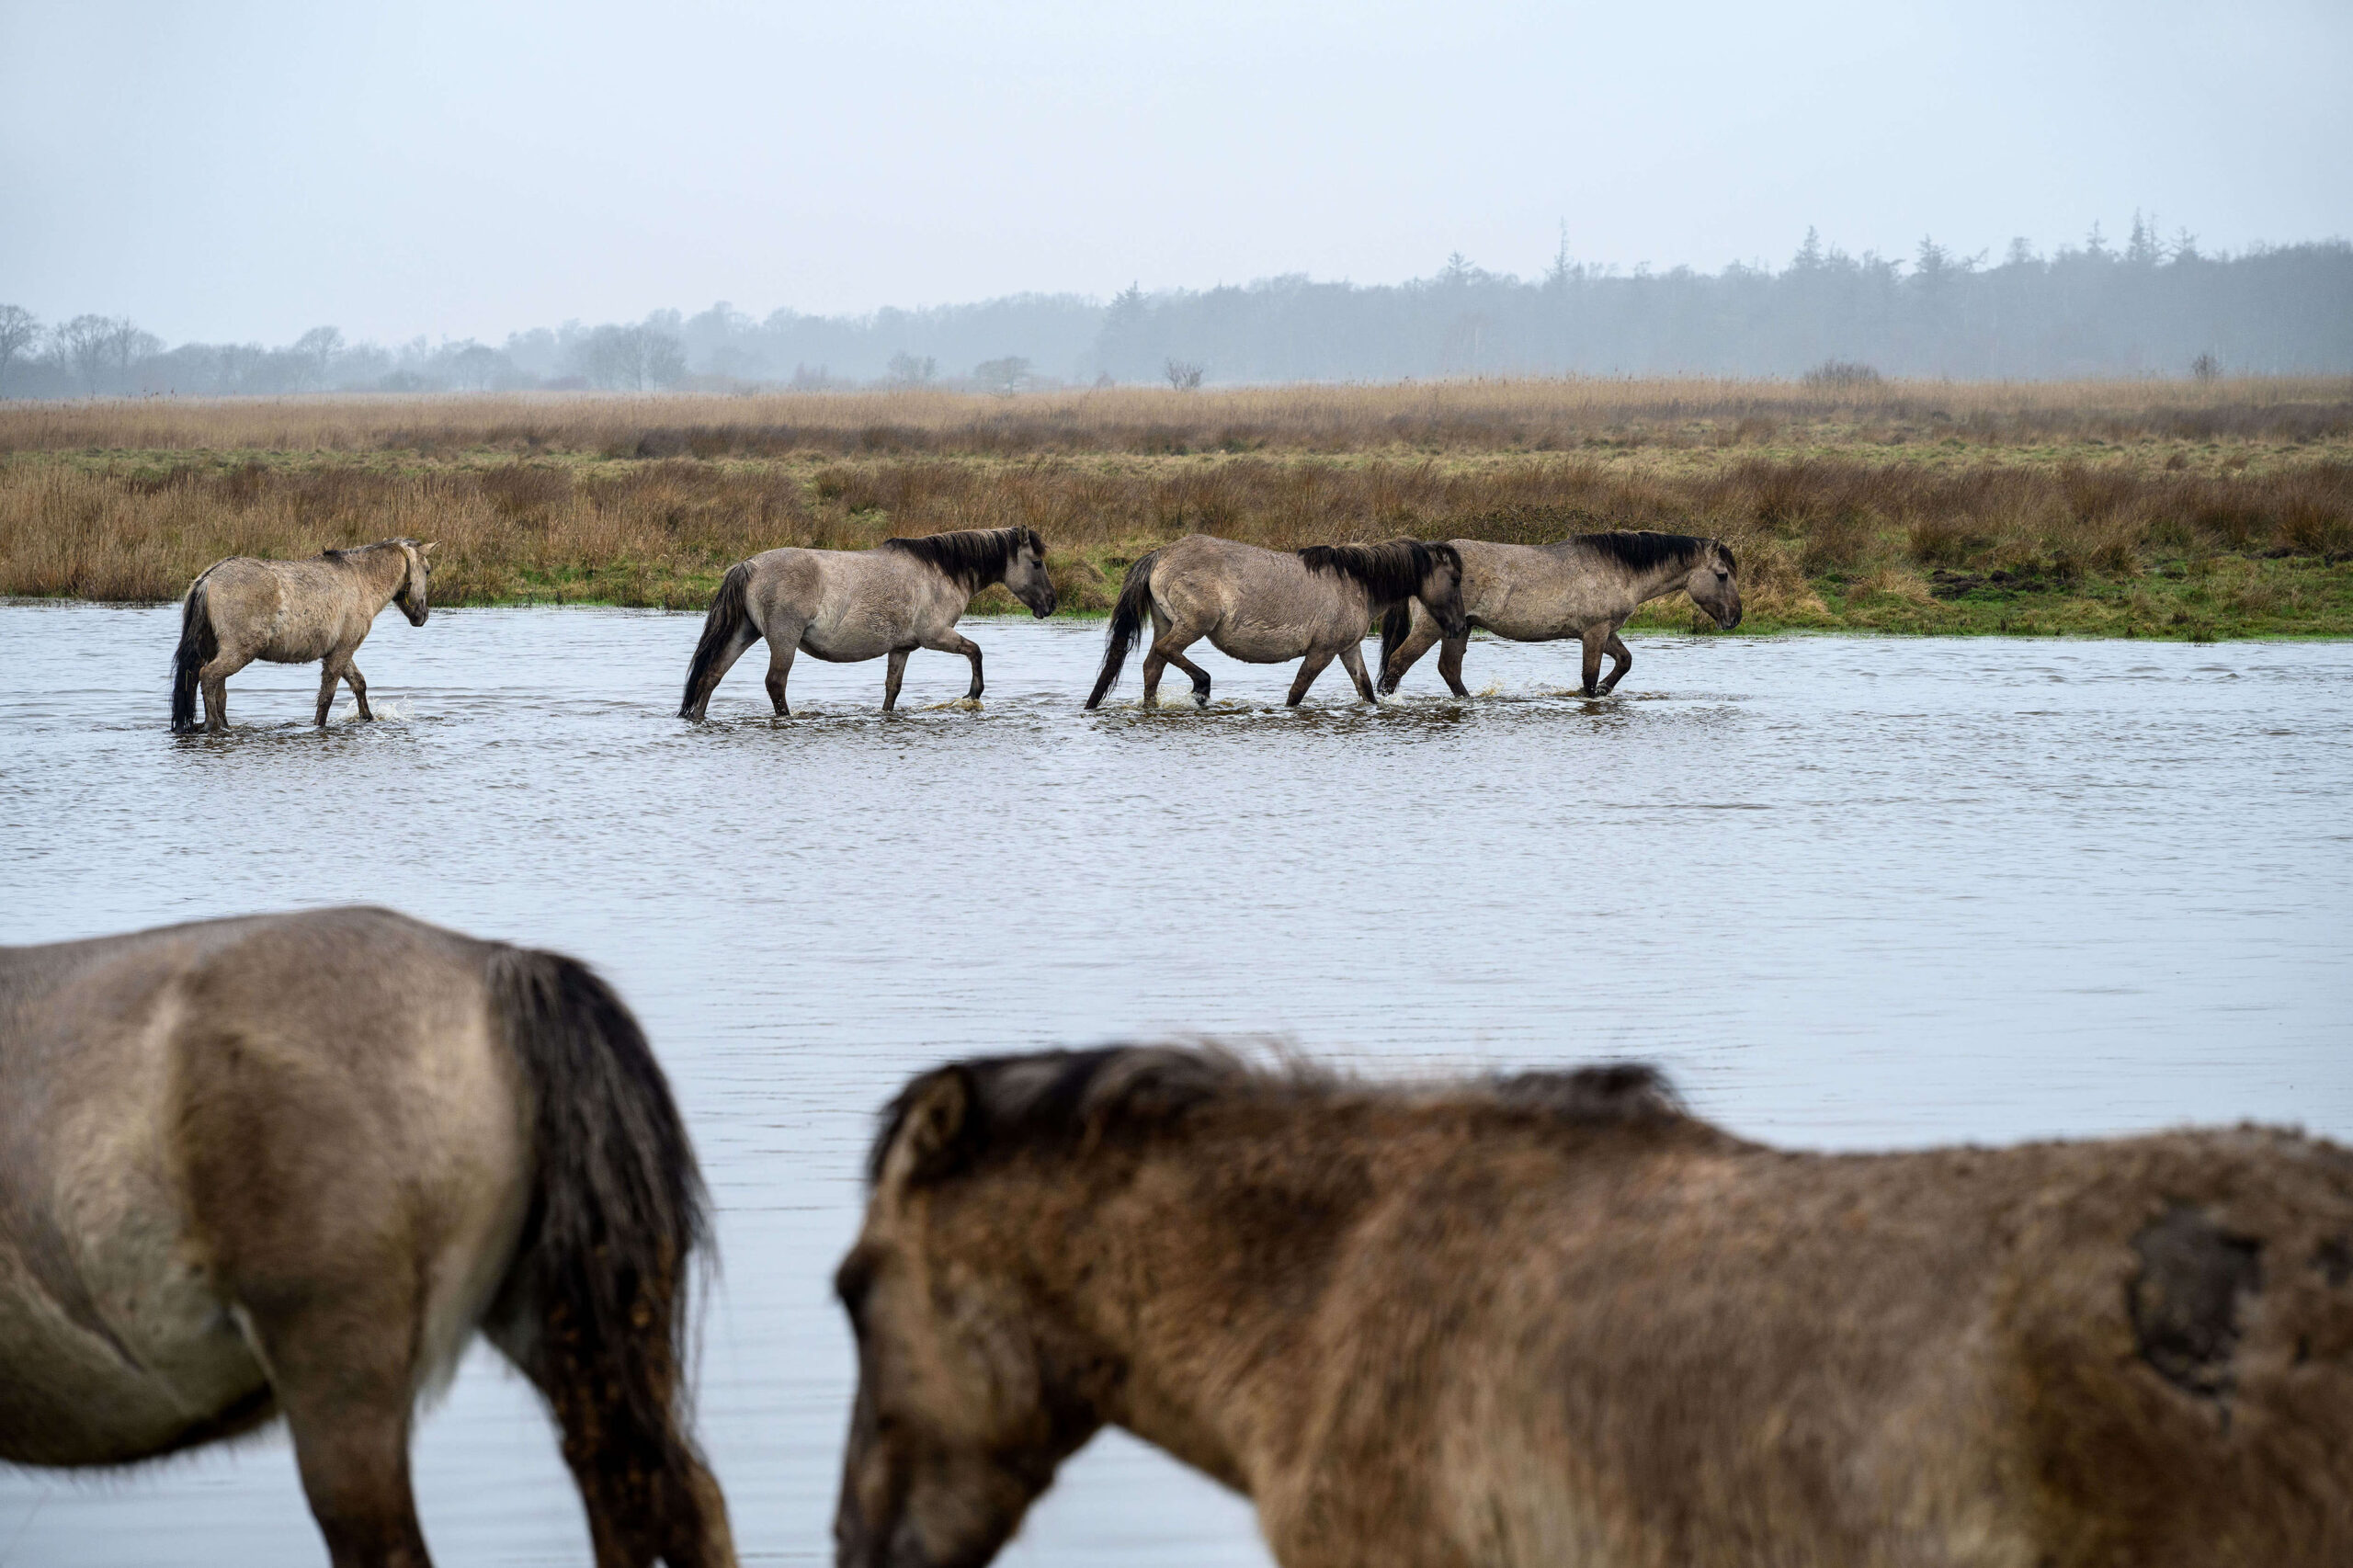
{"x":2119,"y":509}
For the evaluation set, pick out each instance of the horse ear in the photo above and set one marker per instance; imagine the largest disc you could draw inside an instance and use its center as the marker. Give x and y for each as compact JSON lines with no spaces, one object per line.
{"x":426,"y":548}
{"x":928,"y":1140}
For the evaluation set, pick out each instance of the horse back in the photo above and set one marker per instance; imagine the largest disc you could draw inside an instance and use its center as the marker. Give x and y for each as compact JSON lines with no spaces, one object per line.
{"x":848,"y":605}
{"x":2132,"y":1351}
{"x":204,"y":1120}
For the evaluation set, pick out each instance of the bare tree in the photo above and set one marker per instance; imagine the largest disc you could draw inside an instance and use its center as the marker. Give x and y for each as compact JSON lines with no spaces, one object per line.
{"x":632,"y":358}
{"x":83,"y":343}
{"x":906,"y":370}
{"x":2206,"y":368}
{"x":1183,"y":374}
{"x":317,"y":348}
{"x":127,"y":346}
{"x":18,"y":330}
{"x":1008,"y":375}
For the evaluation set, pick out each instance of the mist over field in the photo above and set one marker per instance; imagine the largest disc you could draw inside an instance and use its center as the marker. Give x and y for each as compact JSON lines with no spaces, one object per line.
{"x":260,"y":197}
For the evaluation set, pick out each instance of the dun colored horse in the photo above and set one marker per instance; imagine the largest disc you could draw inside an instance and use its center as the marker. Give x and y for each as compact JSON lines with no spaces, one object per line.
{"x":1269,"y":607}
{"x":846,"y":606}
{"x":288,"y":1165}
{"x":1582,"y":587}
{"x":1552,"y":1319}
{"x":290,"y":612}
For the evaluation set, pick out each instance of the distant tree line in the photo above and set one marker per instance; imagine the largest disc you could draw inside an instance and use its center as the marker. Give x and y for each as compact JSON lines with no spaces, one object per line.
{"x":2146,"y":307}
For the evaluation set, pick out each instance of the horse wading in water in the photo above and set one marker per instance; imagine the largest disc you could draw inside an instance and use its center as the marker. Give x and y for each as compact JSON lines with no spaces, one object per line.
{"x":290,"y":612}
{"x":1552,"y":1319}
{"x":846,"y":606}
{"x":1269,"y":607}
{"x":287,"y":1164}
{"x":1582,"y":587}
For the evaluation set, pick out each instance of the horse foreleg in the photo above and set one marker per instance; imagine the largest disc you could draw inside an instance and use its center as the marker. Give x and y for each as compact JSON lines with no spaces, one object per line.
{"x":327,"y":679}
{"x":781,"y":654}
{"x":1419,"y":640}
{"x":893,"y":676}
{"x":953,"y":642}
{"x":358,"y":685}
{"x":1352,"y":661}
{"x":1595,"y":640}
{"x":1309,"y":668}
{"x":1450,"y":664}
{"x":1622,"y":659}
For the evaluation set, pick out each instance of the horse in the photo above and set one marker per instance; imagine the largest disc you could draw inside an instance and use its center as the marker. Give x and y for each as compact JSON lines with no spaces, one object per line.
{"x":289,"y":1164}
{"x":1269,"y":607}
{"x":1582,"y":587}
{"x":847,"y":605}
{"x":290,"y":612}
{"x":1553,"y":1318}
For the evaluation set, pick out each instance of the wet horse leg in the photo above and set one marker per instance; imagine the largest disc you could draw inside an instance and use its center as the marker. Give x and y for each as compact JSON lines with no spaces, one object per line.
{"x":953,"y":642}
{"x":780,"y":651}
{"x":1450,"y":664}
{"x":213,"y":679}
{"x":1352,"y":661}
{"x":893,"y":676}
{"x":1309,"y":668}
{"x":1418,"y":638}
{"x":327,"y":679}
{"x":1596,"y":639}
{"x":1168,"y":644}
{"x":1622,"y":659}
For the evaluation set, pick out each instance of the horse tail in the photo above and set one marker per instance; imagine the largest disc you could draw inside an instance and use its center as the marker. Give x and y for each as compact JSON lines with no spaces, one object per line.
{"x":722,"y":630}
{"x":1126,"y":620}
{"x":596,"y":1294}
{"x":1397,"y":622}
{"x":200,"y":645}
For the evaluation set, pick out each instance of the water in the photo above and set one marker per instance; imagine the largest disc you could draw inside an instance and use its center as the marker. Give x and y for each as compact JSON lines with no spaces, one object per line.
{"x":1852,"y":893}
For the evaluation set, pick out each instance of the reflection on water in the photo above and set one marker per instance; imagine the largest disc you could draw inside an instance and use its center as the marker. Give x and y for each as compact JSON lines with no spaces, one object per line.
{"x":1852,"y":893}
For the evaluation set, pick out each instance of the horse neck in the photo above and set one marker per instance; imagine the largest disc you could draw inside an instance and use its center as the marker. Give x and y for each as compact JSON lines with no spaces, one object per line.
{"x":383,"y":568}
{"x":1210,"y":1356}
{"x":1657,"y":582}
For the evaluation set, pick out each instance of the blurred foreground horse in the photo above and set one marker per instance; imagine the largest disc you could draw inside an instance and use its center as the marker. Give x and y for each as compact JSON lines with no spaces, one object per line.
{"x":1269,"y":607}
{"x":290,"y":612}
{"x":1582,"y":587}
{"x":1550,"y":1319}
{"x":287,"y":1164}
{"x":846,"y":606}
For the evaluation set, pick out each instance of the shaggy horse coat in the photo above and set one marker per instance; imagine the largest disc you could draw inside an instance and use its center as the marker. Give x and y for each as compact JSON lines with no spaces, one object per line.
{"x":1552,"y":1319}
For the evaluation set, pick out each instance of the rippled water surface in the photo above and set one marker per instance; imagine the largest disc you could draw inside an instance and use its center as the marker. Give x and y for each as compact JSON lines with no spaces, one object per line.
{"x":1852,"y":893}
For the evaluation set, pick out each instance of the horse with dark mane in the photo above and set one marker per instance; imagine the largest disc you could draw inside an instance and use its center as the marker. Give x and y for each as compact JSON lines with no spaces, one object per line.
{"x":1552,"y":1318}
{"x":290,"y":612}
{"x":287,"y":1166}
{"x":846,"y":606}
{"x":1582,"y":587}
{"x":1269,"y":607}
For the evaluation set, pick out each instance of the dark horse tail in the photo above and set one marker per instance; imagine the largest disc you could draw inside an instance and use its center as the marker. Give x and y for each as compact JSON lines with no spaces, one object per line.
{"x":200,"y":645}
{"x":595,"y":1297}
{"x":722,"y":630}
{"x":1126,"y":620}
{"x":1395,"y":622}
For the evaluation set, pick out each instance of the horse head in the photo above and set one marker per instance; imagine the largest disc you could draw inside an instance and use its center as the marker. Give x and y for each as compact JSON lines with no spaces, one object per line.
{"x":413,"y":596}
{"x":958,"y":1422}
{"x":1714,"y":584}
{"x":1025,"y":572}
{"x":1441,"y":589}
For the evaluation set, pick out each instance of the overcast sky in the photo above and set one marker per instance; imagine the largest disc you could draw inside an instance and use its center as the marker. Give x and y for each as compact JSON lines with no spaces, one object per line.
{"x":245,"y":171}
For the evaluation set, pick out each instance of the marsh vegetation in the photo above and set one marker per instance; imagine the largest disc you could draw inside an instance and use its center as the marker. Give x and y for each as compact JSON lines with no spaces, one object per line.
{"x":2193,"y":508}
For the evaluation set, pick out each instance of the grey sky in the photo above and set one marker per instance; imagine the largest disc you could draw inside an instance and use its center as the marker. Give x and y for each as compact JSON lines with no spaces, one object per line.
{"x":246,"y":171}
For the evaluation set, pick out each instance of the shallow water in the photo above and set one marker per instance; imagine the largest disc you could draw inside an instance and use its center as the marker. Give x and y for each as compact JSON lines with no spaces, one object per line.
{"x":1852,"y":893}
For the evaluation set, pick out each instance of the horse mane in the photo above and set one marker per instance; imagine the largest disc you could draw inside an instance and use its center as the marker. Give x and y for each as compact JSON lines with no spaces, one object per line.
{"x":1389,"y":571}
{"x":347,"y":552}
{"x":1067,"y":1099}
{"x":969,"y":558}
{"x":1640,"y":549}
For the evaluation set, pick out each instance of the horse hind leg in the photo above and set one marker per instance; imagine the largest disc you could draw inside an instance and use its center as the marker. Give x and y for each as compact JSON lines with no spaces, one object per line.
{"x":780,"y":653}
{"x":1168,"y":644}
{"x":214,"y":681}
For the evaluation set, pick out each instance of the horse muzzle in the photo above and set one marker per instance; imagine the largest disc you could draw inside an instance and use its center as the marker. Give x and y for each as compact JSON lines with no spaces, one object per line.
{"x":1727,"y":622}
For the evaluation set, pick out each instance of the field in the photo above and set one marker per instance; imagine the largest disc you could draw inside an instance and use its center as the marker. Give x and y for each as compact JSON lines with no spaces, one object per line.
{"x":2140,"y":508}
